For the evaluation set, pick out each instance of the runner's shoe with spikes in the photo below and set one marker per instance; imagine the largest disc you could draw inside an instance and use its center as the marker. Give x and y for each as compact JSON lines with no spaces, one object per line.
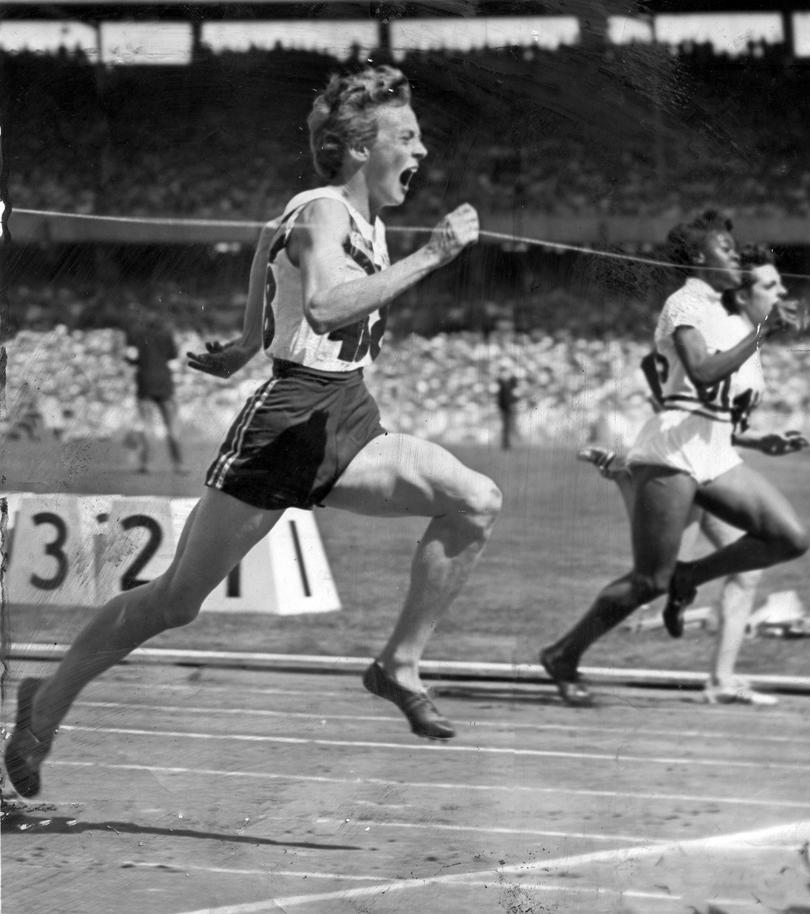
{"x":572,"y":687}
{"x":25,"y":751}
{"x":423,"y":716}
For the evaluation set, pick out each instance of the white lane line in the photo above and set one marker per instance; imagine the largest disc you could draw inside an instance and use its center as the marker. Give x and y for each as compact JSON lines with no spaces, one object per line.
{"x":204,"y":686}
{"x":281,"y":904}
{"x":419,"y":747}
{"x":692,"y":708}
{"x":490,"y":830}
{"x":342,"y":877}
{"x":437,"y":785}
{"x":795,"y":833}
{"x":474,"y":723}
{"x":234,"y":871}
{"x":561,"y":888}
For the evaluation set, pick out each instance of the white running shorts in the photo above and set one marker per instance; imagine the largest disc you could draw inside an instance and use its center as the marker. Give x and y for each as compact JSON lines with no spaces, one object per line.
{"x":689,"y":442}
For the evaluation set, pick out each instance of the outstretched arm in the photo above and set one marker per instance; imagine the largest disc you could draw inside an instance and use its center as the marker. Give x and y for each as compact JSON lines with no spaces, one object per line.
{"x":224,"y":359}
{"x":774,"y":444}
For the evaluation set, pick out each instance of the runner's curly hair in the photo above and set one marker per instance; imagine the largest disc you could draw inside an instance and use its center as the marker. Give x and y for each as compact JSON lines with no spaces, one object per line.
{"x":684,"y":242}
{"x":343,"y":115}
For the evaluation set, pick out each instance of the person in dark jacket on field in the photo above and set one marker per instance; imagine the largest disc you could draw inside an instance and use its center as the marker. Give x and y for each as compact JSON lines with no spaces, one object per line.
{"x":152,"y":350}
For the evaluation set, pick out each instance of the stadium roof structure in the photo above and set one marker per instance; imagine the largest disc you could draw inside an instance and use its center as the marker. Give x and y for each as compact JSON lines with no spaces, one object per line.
{"x":592,"y":14}
{"x":383,"y":10}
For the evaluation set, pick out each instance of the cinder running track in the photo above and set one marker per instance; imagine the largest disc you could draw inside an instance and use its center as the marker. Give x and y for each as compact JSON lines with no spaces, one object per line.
{"x":178,"y":789}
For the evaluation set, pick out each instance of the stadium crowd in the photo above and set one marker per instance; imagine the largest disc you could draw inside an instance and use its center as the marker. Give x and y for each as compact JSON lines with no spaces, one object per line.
{"x":441,"y":387}
{"x":147,"y":142}
{"x":116,"y":143}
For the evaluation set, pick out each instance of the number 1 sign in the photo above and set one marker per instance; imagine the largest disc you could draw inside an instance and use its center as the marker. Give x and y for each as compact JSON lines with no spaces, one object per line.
{"x":285,"y":573}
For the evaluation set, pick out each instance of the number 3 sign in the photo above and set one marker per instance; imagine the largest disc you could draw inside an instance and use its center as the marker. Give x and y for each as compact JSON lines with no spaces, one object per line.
{"x":53,"y":556}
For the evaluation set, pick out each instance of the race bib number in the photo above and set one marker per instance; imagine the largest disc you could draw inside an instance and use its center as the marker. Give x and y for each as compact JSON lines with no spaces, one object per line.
{"x":358,"y":339}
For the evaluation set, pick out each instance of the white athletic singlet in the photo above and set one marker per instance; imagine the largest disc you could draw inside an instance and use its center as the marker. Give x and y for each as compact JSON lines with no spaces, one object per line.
{"x":287,"y":333}
{"x":697,"y":305}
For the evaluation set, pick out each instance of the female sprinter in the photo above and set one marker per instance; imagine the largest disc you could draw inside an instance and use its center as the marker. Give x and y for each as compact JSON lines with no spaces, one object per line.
{"x":710,"y":378}
{"x":311,"y":435}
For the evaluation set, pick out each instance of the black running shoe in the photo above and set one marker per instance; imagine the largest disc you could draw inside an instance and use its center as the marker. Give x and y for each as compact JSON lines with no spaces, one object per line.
{"x":572,"y":687}
{"x":422,"y":714}
{"x":25,"y":752}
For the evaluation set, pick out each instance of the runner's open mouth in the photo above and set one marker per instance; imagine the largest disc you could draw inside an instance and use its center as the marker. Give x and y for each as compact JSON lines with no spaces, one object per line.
{"x":406,"y":177}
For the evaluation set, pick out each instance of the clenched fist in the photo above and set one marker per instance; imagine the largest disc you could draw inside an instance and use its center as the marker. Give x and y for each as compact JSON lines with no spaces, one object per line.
{"x":458,"y":229}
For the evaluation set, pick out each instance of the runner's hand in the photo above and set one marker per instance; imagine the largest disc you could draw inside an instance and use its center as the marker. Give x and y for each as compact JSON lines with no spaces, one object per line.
{"x":777,"y":445}
{"x":458,"y":229}
{"x":220,"y":359}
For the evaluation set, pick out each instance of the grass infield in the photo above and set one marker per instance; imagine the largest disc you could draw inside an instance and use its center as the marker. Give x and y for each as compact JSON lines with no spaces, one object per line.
{"x":562,"y":535}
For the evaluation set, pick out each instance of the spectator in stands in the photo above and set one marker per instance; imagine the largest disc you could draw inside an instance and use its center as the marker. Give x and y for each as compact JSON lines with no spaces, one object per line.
{"x":163,"y":161}
{"x":26,"y":415}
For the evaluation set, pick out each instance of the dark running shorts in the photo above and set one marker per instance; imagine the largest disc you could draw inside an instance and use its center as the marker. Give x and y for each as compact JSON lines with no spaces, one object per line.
{"x":294,"y":437}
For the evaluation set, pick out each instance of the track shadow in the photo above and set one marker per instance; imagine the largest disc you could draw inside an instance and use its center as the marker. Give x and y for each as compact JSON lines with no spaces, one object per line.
{"x":15,"y":821}
{"x":473,"y":692}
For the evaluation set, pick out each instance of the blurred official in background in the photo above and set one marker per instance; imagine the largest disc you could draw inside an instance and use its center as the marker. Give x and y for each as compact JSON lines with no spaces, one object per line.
{"x":152,"y":350}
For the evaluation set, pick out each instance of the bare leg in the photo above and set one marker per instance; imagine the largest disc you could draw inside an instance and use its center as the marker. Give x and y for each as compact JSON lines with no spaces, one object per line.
{"x":624,"y":481}
{"x":217,"y":535}
{"x":772,"y":531}
{"x":736,"y":603}
{"x":662,"y":506}
{"x":400,"y":476}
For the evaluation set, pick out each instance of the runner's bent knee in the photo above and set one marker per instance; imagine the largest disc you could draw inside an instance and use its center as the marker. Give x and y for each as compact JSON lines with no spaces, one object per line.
{"x":177,"y":604}
{"x":649,"y":585}
{"x":480,"y":503}
{"x":783,"y":532}
{"x":793,"y":540}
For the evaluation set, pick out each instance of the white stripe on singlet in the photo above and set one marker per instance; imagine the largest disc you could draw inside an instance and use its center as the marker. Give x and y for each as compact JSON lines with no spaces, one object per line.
{"x":225,"y":461}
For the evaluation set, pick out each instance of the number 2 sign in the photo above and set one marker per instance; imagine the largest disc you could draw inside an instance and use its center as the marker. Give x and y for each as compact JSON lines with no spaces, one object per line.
{"x":139,"y":543}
